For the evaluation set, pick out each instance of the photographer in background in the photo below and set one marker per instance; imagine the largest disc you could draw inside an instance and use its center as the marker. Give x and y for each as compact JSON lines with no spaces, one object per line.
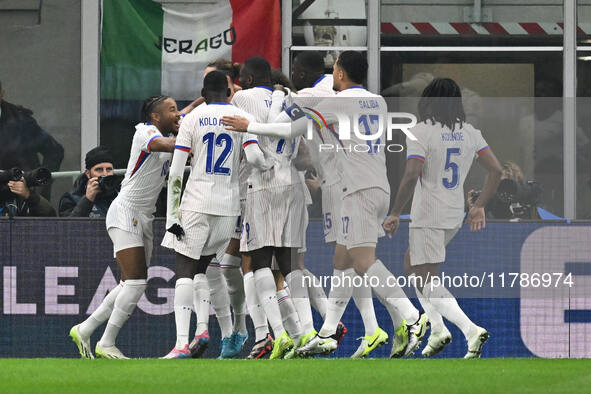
{"x":94,"y":190}
{"x":23,"y":140}
{"x":18,"y":199}
{"x":515,"y":198}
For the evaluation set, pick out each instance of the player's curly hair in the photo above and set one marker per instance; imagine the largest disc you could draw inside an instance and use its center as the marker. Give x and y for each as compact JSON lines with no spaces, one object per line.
{"x":441,"y":102}
{"x":150,"y":106}
{"x":231,"y":69}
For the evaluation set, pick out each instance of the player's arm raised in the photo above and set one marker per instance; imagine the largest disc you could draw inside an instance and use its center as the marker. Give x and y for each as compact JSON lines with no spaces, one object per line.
{"x":196,"y":103}
{"x":255,"y":156}
{"x":476,"y":216}
{"x":162,"y":144}
{"x":414,"y":167}
{"x":292,"y":123}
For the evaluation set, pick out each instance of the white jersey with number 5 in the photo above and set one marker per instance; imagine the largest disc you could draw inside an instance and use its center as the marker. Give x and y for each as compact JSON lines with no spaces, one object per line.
{"x":438,"y":200}
{"x":146,"y":171}
{"x":212,"y":187}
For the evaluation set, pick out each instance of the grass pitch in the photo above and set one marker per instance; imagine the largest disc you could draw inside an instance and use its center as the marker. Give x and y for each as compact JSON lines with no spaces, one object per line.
{"x":297,"y":376}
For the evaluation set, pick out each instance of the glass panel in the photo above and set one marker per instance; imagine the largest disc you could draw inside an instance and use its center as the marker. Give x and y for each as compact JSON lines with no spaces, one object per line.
{"x":584,"y":22}
{"x":329,"y":23}
{"x":513,"y":98}
{"x":40,"y":78}
{"x":583,"y":135}
{"x":447,"y":22}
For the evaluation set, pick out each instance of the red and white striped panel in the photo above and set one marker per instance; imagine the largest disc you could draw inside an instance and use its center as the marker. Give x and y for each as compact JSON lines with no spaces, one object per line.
{"x":495,"y":29}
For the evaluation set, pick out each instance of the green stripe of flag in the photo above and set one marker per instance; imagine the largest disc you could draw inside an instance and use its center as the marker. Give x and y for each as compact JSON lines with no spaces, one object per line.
{"x":130,"y":59}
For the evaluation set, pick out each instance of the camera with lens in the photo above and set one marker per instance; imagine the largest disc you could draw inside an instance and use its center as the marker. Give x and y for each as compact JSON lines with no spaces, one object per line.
{"x":513,"y":200}
{"x":109,"y":183}
{"x":38,"y":177}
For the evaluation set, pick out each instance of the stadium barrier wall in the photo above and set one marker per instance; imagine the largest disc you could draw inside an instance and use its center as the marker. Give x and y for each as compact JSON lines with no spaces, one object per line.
{"x":55,"y":272}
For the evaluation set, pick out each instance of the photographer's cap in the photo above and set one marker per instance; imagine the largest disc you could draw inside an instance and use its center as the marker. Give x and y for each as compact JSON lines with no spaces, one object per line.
{"x":96,"y":156}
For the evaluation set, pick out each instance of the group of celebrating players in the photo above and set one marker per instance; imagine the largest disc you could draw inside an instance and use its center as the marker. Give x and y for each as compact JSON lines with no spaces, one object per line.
{"x":239,"y":229}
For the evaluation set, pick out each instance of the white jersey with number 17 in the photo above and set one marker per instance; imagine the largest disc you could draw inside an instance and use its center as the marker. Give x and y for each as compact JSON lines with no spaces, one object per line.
{"x":438,"y":200}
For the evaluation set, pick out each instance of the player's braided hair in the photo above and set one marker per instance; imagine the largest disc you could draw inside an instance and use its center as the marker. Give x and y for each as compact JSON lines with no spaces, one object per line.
{"x":441,"y":102}
{"x":150,"y":105}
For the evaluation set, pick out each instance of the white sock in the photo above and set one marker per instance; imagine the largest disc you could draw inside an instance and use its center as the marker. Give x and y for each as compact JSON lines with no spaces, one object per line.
{"x":446,"y":304}
{"x":392,"y":311}
{"x":299,"y":296}
{"x":392,"y":294}
{"x":201,"y":302}
{"x":124,"y":305}
{"x":316,"y":293}
{"x":101,"y":314}
{"x":255,"y":309}
{"x":435,"y":317}
{"x":220,"y":300}
{"x":183,"y":307}
{"x":364,"y":301}
{"x":289,"y":314}
{"x":338,"y":298}
{"x":267,"y":292}
{"x":235,"y":283}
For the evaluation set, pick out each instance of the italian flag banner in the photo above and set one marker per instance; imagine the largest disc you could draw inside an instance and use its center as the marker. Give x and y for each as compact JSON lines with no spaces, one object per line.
{"x":151,"y":48}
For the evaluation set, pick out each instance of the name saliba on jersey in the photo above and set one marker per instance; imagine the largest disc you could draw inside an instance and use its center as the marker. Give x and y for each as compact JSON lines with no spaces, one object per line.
{"x":359,"y":121}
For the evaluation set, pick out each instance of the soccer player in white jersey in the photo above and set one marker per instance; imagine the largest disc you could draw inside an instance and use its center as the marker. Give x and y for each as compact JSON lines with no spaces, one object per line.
{"x":274,"y":211}
{"x":436,"y":168}
{"x":223,"y":275}
{"x":365,"y":191}
{"x":129,"y":224}
{"x":201,"y":225}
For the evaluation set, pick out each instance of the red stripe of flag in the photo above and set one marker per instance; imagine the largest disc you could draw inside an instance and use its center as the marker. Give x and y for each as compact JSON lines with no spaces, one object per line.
{"x":463,"y":28}
{"x":257,"y":25}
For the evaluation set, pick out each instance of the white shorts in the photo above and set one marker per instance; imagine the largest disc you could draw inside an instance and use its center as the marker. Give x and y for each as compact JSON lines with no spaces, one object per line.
{"x":427,"y":245}
{"x":204,"y":235}
{"x":129,"y":229}
{"x":124,"y":240}
{"x":238,"y":228}
{"x":273,"y":217}
{"x":332,"y":197}
{"x":362,"y":215}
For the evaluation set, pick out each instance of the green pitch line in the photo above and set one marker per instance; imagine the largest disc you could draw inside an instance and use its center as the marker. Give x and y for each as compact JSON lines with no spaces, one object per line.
{"x":297,"y":376}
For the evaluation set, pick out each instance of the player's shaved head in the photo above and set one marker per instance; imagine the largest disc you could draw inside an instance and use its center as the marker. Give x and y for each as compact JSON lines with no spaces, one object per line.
{"x":307,"y":67}
{"x":310,"y":61}
{"x":215,"y":87}
{"x":255,"y":71}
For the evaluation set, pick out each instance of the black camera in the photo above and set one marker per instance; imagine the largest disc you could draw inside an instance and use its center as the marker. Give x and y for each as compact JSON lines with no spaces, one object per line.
{"x":38,"y":177}
{"x":513,"y":200}
{"x":14,"y":174}
{"x":108,"y":183}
